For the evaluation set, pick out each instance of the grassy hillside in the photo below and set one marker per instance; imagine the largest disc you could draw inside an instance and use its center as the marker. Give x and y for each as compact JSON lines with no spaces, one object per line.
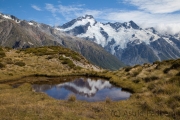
{"x":155,"y":88}
{"x":43,"y":60}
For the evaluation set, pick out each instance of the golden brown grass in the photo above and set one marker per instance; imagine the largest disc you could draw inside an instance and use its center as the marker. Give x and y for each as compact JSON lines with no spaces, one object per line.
{"x":17,"y":64}
{"x":155,"y":88}
{"x":23,"y":103}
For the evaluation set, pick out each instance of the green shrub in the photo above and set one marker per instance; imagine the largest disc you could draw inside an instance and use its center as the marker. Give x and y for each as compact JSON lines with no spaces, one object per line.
{"x":178,"y":74}
{"x":9,"y":61}
{"x":157,"y":67}
{"x":176,"y":97}
{"x":18,"y":51}
{"x":127,"y":69}
{"x":135,"y":73}
{"x":41,"y":51}
{"x":149,"y":79}
{"x":55,"y":50}
{"x":71,"y":65}
{"x":20,"y":63}
{"x":175,"y":66}
{"x":8,"y":48}
{"x":50,"y":57}
{"x":10,"y":74}
{"x":151,"y":86}
{"x":2,"y":65}
{"x":61,"y":58}
{"x":166,"y":70}
{"x":175,"y":80}
{"x":156,"y":62}
{"x":77,"y":68}
{"x":75,"y":57}
{"x":136,"y":81}
{"x":68,"y":62}
{"x":2,"y":54}
{"x":1,"y":49}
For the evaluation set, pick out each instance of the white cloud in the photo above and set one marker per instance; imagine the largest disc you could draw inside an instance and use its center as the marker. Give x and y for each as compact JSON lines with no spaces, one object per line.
{"x":68,"y":9}
{"x":51,"y":8}
{"x":164,"y":22}
{"x":36,"y":7}
{"x":94,"y":13}
{"x":156,"y":6}
{"x":168,"y":28}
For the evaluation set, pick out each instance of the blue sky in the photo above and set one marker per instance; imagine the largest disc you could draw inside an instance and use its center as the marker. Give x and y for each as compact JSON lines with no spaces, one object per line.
{"x":164,"y":15}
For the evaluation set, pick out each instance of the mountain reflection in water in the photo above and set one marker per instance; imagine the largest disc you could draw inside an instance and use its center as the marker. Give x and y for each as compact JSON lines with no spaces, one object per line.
{"x":86,"y":89}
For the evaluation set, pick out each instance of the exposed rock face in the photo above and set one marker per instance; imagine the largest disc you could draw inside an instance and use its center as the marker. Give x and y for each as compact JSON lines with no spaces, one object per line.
{"x":23,"y":35}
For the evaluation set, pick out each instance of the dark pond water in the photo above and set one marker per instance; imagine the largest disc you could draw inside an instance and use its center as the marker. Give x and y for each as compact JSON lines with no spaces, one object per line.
{"x":87,"y":89}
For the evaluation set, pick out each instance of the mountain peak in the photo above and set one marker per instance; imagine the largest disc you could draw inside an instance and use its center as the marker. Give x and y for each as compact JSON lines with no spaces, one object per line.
{"x":127,"y":25}
{"x":89,"y":16}
{"x":134,"y":25}
{"x":85,"y":17}
{"x":131,"y":24}
{"x":80,"y":21}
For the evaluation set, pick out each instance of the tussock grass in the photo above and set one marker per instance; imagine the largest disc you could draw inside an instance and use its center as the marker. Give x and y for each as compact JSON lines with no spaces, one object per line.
{"x":67,"y":61}
{"x":43,"y":60}
{"x":72,"y":98}
{"x":151,"y":78}
{"x":2,"y":53}
{"x":20,"y":63}
{"x":156,"y":94}
{"x":153,"y":89}
{"x":108,"y":100}
{"x":127,"y":69}
{"x":53,"y":50}
{"x":2,"y":65}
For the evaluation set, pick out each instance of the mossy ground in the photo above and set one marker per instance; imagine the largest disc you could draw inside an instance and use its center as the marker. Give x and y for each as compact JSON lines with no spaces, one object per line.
{"x":155,"y":88}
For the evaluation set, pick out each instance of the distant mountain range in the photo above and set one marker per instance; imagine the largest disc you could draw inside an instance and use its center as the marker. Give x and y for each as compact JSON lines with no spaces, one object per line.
{"x":103,"y":44}
{"x":18,"y":33}
{"x":127,"y":41}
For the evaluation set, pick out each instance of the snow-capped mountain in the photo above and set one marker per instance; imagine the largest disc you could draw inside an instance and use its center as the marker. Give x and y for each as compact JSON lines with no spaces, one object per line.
{"x":16,"y":33}
{"x":130,"y":43}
